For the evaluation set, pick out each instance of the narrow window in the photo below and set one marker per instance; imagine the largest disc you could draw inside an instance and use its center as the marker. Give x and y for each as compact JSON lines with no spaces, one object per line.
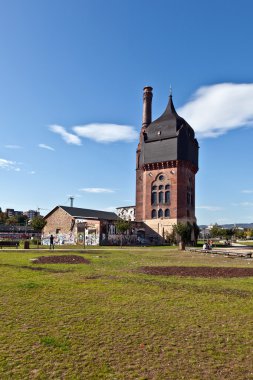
{"x":160,"y":197}
{"x":167,"y":213}
{"x":167,"y":197}
{"x":154,"y":198}
{"x":153,"y":214}
{"x":160,"y":213}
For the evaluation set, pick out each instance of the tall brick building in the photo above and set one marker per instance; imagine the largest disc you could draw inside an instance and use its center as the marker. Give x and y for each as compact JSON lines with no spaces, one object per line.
{"x":166,"y":164}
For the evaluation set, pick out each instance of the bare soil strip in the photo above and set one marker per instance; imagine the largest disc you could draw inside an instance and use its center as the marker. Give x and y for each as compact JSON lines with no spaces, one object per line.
{"x":198,"y":271}
{"x":65,"y":259}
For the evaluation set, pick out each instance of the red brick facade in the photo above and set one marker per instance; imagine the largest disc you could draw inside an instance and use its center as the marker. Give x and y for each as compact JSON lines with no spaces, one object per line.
{"x":165,"y":190}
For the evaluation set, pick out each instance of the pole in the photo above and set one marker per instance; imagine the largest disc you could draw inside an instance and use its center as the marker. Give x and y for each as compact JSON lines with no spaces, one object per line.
{"x":84,"y":225}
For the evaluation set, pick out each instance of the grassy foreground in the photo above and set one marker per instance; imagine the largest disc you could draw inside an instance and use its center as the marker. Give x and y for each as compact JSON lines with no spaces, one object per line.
{"x":107,"y":321}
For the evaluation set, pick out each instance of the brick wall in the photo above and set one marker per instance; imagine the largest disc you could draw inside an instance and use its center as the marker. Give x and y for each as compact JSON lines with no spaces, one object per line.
{"x":58,"y":220}
{"x":181,"y":177}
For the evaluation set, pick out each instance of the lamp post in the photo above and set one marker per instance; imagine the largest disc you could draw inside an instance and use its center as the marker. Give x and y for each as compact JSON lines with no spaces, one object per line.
{"x":84,"y":225}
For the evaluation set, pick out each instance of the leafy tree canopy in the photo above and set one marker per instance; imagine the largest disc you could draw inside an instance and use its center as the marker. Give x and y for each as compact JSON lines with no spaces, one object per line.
{"x":38,"y":223}
{"x":123,"y":225}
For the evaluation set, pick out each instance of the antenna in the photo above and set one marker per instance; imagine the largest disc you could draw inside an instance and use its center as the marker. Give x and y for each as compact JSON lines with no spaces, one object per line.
{"x":71,"y":198}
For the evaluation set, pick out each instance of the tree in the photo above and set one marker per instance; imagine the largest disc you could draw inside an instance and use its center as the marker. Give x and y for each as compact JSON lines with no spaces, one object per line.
{"x":122,"y":226}
{"x":12,"y":220}
{"x":196,"y":231}
{"x":38,"y":223}
{"x":3,"y":217}
{"x":184,"y":231}
{"x":216,"y":231}
{"x":239,"y":234}
{"x":22,"y":219}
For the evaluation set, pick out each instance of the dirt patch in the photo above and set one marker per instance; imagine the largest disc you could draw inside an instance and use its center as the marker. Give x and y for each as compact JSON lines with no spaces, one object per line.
{"x":198,"y":271}
{"x":65,"y":259}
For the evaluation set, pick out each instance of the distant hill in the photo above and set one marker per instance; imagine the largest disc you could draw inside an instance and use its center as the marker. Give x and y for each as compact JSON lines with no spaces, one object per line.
{"x":241,"y":225}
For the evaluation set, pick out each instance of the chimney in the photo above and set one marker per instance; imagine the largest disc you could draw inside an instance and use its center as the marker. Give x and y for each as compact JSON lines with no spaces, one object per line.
{"x":147,"y":106}
{"x":71,"y":201}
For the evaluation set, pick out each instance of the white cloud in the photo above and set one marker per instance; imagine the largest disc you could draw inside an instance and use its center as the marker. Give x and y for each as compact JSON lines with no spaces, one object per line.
{"x":243,"y":204}
{"x":247,"y":191}
{"x":69,"y":138}
{"x":13,"y":146}
{"x":216,"y":109}
{"x":9,"y":165}
{"x":106,"y":133}
{"x":32,"y":172}
{"x":209,"y":208}
{"x":96,"y":190}
{"x":44,"y":146}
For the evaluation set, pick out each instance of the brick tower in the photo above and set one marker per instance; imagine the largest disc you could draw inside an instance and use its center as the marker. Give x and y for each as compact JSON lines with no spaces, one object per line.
{"x":166,"y":164}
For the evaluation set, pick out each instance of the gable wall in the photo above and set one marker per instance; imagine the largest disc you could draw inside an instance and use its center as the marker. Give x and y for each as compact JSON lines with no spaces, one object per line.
{"x":59,"y":219}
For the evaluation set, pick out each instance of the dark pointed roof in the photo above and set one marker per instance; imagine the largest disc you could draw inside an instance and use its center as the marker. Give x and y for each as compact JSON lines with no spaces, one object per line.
{"x":169,"y":138}
{"x":167,"y":125}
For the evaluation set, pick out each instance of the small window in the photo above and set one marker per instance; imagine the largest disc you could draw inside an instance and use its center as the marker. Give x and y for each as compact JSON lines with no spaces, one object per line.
{"x":161,"y":187}
{"x":161,"y":177}
{"x":160,"y":213}
{"x":154,"y":198}
{"x":153,"y":214}
{"x":154,"y":188}
{"x":167,"y":213}
{"x":167,"y":197}
{"x":57,"y":230}
{"x":167,"y":187}
{"x":160,"y":197}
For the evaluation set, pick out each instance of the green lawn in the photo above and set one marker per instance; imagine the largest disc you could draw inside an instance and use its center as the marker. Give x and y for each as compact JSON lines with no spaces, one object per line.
{"x":107,"y":321}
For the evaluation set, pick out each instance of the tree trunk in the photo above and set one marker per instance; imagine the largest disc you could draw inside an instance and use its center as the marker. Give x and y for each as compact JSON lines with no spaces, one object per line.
{"x":182,"y":246}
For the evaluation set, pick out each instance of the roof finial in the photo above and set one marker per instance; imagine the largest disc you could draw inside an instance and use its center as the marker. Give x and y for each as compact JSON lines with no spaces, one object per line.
{"x":170,"y":90}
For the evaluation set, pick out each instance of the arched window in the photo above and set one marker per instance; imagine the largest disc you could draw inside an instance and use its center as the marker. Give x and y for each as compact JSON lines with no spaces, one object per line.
{"x":167,"y":213}
{"x":161,"y":187}
{"x":160,"y":213}
{"x":154,"y":188}
{"x":167,"y":197}
{"x":153,"y":214}
{"x":161,"y":197}
{"x":167,"y":187}
{"x":154,"y":198}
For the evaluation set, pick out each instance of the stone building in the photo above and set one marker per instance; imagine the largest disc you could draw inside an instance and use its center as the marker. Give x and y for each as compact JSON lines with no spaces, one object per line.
{"x":166,"y":164}
{"x":69,"y":225}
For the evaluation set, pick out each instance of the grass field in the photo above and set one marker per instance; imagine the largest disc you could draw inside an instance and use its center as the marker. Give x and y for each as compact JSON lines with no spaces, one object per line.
{"x":106,"y":320}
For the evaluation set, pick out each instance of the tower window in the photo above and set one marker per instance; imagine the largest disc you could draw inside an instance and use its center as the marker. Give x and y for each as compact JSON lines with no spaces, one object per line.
{"x":167,"y":187}
{"x":154,"y":188}
{"x":161,"y":187}
{"x":167,"y":197}
{"x":161,"y":197}
{"x":160,"y":213}
{"x":161,"y":177}
{"x":153,"y":214}
{"x":154,"y":198}
{"x":167,"y":213}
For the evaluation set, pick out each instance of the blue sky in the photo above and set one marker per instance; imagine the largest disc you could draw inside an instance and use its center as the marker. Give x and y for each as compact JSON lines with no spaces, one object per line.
{"x":71,"y":80}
